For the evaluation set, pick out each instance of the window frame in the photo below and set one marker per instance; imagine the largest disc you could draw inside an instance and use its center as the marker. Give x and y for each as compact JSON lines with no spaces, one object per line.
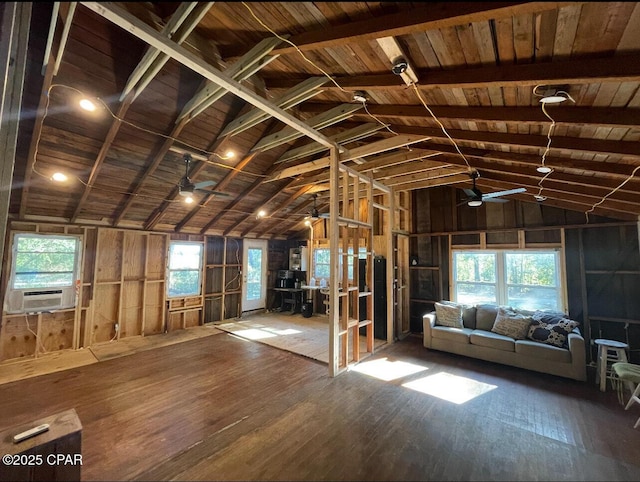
{"x":501,"y":282}
{"x":75,"y":273}
{"x":172,"y":270}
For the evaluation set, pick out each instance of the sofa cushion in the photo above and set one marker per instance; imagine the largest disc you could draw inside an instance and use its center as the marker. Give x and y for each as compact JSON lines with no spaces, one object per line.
{"x":456,"y":335}
{"x":492,"y":340}
{"x":551,"y":329}
{"x":548,"y":353}
{"x":485,"y":316}
{"x":511,"y":324}
{"x":448,"y":315}
{"x":468,"y":313}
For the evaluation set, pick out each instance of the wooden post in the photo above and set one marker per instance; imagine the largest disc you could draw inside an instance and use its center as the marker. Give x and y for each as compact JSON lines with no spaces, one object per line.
{"x":334,"y":340}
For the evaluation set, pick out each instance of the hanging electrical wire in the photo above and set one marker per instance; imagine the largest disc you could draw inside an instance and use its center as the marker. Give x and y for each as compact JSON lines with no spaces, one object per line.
{"x":604,"y":198}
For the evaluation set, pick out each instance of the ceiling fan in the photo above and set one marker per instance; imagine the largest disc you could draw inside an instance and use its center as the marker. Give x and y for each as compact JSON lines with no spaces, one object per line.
{"x":475,"y":197}
{"x":314,"y":214}
{"x":187,"y":188}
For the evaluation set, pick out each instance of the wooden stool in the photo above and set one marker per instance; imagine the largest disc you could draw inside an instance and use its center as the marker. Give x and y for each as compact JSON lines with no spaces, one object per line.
{"x":628,"y":372}
{"x":609,"y":352}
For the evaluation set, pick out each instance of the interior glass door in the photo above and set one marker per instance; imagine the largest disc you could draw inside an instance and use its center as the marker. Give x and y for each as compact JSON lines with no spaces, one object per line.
{"x":254,"y":286}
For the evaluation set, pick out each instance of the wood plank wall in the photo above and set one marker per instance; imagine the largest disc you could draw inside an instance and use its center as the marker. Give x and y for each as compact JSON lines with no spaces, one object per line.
{"x":123,"y":283}
{"x":602,"y":258}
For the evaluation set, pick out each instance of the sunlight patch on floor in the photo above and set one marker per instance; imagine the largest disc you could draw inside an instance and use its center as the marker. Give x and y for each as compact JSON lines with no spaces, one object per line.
{"x":384,"y":369}
{"x":450,"y":387}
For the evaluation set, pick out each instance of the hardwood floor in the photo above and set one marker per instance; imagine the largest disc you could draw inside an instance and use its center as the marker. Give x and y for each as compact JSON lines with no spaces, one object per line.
{"x":223,"y":408}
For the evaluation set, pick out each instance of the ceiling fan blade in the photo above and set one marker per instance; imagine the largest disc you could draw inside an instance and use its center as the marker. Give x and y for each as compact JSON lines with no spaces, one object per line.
{"x":503,"y":193}
{"x":216,"y":193}
{"x":200,"y":185}
{"x":494,"y":200}
{"x":469,"y":192}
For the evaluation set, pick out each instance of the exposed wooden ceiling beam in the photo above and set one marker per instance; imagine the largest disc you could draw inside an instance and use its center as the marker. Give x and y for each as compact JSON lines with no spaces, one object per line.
{"x":249,"y":64}
{"x":270,"y":221}
{"x":351,"y":135}
{"x":102,"y":154}
{"x":588,"y":197}
{"x":368,"y":150}
{"x":67,"y":10}
{"x":301,"y":92}
{"x":178,"y":31}
{"x":577,"y":144}
{"x":440,"y":181}
{"x":320,"y":121}
{"x":600,"y":116}
{"x":151,"y":168}
{"x":422,"y":17}
{"x":621,"y":68}
{"x":613,"y":170}
{"x":134,"y":26}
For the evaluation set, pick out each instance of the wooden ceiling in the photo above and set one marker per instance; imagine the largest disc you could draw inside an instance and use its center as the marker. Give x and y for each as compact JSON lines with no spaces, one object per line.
{"x":469,"y":100}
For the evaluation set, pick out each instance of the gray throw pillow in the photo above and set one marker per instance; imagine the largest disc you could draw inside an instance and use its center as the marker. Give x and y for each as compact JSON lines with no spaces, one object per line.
{"x":512,"y":324}
{"x":485,"y":316}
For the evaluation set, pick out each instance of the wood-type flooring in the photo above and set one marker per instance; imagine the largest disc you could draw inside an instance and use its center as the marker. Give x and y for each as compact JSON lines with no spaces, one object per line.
{"x":224,"y":408}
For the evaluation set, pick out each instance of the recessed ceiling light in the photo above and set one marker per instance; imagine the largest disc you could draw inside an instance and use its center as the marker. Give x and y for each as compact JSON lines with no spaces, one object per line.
{"x":230,"y":154}
{"x":87,"y":105}
{"x":262,"y":213}
{"x":188,"y":199}
{"x":543,"y":169}
{"x":59,"y":177}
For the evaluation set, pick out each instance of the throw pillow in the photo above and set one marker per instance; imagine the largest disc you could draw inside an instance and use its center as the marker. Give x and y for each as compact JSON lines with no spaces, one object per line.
{"x":448,"y":315}
{"x":468,"y":313}
{"x":550,"y":328}
{"x":486,"y":316}
{"x":512,"y":324}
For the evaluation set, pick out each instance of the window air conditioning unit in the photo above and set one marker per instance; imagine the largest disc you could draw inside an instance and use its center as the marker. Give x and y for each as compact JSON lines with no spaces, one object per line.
{"x":25,"y":301}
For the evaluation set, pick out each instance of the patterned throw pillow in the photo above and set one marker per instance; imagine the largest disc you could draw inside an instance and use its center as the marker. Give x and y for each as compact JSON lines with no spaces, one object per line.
{"x":448,"y":315}
{"x":512,"y":324}
{"x":551,"y":328}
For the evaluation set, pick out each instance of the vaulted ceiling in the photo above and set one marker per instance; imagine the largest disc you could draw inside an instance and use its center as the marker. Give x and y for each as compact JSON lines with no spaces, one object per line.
{"x":468,"y":101}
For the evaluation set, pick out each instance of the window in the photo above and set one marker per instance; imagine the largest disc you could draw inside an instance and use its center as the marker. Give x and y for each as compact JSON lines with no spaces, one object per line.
{"x":44,"y":261}
{"x":44,"y":273}
{"x":185,"y":268}
{"x":526,"y":279}
{"x":322,"y":266}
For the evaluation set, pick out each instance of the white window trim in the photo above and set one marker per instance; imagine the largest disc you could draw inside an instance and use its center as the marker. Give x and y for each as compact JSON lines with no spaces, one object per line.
{"x":501,"y":285}
{"x":199,"y":269}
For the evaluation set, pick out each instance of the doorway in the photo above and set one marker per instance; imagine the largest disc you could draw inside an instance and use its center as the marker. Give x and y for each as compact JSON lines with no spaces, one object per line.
{"x":254,"y":269}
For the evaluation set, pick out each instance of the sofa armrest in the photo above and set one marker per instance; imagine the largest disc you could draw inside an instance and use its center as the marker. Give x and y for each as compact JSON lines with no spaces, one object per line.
{"x":578,"y":355}
{"x":428,"y":322}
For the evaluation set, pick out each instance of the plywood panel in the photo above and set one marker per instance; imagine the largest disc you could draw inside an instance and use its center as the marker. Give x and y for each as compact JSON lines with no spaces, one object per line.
{"x":109,"y":255}
{"x":174,"y":322}
{"x":156,"y":256}
{"x":91,"y":235}
{"x":105,"y":312}
{"x":17,"y":339}
{"x":154,"y":309}
{"x":192,"y":318}
{"x":56,"y":331}
{"x":135,"y":246}
{"x":131,"y":313}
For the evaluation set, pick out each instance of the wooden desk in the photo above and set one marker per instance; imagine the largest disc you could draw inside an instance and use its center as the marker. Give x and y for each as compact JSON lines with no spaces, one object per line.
{"x":290,"y":296}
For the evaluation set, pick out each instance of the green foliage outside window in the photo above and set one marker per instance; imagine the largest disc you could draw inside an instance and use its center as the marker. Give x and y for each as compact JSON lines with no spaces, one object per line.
{"x":44,"y":261}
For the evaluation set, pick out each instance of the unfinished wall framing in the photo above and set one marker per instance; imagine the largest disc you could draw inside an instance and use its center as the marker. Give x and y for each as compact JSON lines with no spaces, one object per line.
{"x":223,"y":278}
{"x":355,"y":201}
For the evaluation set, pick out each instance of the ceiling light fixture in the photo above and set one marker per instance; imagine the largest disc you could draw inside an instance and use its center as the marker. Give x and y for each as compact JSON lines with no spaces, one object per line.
{"x":539,"y":198}
{"x":543,"y":169}
{"x":307,"y":223}
{"x":87,"y":105}
{"x":188,"y":199}
{"x":474,"y":203}
{"x":229,"y":155}
{"x":59,"y":177}
{"x":261,"y":214}
{"x":554,"y":96}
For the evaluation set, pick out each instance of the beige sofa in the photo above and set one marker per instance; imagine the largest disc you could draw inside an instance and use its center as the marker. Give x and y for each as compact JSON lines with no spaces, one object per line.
{"x":475,"y":339}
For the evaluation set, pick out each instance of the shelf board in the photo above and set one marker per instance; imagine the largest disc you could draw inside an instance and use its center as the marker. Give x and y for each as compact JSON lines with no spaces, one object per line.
{"x":364,"y":323}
